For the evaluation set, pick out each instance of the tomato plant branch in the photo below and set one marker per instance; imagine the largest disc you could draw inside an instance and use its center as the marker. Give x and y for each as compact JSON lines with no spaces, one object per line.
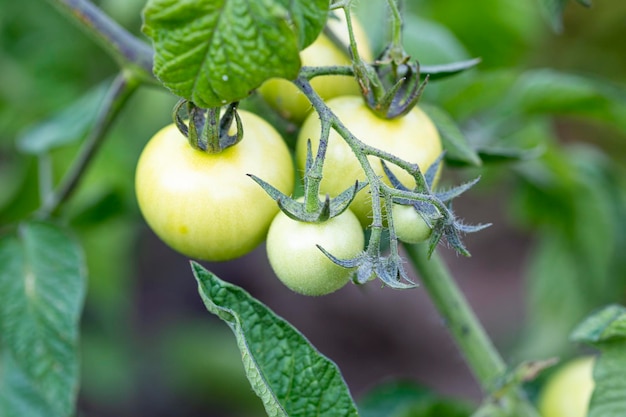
{"x":129,"y":51}
{"x":122,"y":88}
{"x":396,"y":25}
{"x":481,"y":355}
{"x":470,"y":336}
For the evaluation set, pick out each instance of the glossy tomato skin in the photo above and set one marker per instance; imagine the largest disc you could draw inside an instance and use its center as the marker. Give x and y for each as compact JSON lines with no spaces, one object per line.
{"x":409,"y":225}
{"x":204,"y":205}
{"x":285,"y":97}
{"x":568,"y":392}
{"x":413,"y":138}
{"x":300,"y":265}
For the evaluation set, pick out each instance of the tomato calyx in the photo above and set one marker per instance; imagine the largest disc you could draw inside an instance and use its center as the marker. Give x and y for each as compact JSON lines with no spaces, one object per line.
{"x":391,"y":86}
{"x":433,"y":207}
{"x":206,"y":129}
{"x":311,"y":209}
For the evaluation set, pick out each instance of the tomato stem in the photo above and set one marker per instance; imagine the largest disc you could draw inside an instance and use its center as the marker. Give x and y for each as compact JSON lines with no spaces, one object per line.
{"x":470,"y":336}
{"x":129,"y":51}
{"x":122,"y":88}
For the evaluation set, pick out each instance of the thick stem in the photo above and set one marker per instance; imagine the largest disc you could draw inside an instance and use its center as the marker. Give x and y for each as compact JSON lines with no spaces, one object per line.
{"x":121,"y":90}
{"x":129,"y":51}
{"x":471,"y":338}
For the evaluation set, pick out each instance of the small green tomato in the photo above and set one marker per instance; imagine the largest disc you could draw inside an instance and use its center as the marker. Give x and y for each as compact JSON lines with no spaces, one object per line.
{"x":300,"y":265}
{"x":568,"y":392}
{"x":409,"y":225}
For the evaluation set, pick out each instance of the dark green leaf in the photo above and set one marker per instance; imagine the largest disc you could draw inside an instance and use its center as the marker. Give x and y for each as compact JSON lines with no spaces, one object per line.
{"x":554,"y":12}
{"x":500,"y":154}
{"x":553,"y":92}
{"x":289,"y":375}
{"x":66,"y":127}
{"x":606,"y":330}
{"x":42,"y":279}
{"x":455,"y":144}
{"x":216,"y":51}
{"x":436,"y":72}
{"x":606,"y":325}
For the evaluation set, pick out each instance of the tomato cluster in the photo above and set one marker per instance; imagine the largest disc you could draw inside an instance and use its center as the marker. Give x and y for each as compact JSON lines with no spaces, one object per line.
{"x":206,"y":206}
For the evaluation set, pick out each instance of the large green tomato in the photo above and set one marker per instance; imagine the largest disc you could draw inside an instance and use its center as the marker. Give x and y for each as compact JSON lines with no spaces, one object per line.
{"x":300,"y":265}
{"x":285,"y":97}
{"x":413,"y":138}
{"x":568,"y":392}
{"x":204,"y":205}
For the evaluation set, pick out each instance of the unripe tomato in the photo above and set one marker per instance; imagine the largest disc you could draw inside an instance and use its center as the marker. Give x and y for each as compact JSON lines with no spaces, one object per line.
{"x":285,"y":97}
{"x":568,"y":391}
{"x":409,"y":225}
{"x":300,"y":265}
{"x":204,"y":205}
{"x":413,"y":138}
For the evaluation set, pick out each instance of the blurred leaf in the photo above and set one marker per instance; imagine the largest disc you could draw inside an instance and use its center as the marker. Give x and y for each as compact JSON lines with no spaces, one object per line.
{"x":431,"y":42}
{"x":42,"y":279}
{"x":67,"y":126}
{"x":212,"y":53}
{"x":455,"y":144}
{"x":604,"y":326}
{"x":499,"y":154}
{"x":554,"y":11}
{"x":214,"y":379}
{"x":606,"y":330}
{"x":498,"y":31}
{"x":566,"y":196}
{"x":106,"y":205}
{"x":289,"y":375}
{"x":407,"y":399}
{"x":551,"y":92}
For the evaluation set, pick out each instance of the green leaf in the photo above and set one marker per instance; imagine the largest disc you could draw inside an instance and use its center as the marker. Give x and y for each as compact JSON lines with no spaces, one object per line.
{"x":214,"y":52}
{"x":42,"y":280}
{"x":606,"y":330}
{"x":437,"y":72}
{"x":606,"y":325}
{"x":407,"y":399}
{"x":289,"y":375}
{"x":66,"y":127}
{"x":552,"y":92}
{"x":455,"y":144}
{"x":554,"y":12}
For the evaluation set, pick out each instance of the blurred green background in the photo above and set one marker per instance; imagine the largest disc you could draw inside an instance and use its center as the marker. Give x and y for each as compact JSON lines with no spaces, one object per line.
{"x":547,"y":113}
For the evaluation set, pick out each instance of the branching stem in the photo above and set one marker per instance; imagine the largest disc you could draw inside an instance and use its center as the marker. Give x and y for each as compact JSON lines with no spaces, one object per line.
{"x":130,"y":52}
{"x":122,"y":88}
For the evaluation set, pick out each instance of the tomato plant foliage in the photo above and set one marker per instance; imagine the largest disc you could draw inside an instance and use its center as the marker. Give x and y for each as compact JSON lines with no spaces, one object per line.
{"x":215,"y":52}
{"x":42,"y":279}
{"x":289,"y":375}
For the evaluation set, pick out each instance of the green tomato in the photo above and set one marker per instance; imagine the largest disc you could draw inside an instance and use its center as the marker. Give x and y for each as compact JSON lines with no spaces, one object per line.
{"x":300,"y":265}
{"x":285,"y":97}
{"x":204,"y":205}
{"x":413,"y":138}
{"x":568,"y":391}
{"x":409,"y":225}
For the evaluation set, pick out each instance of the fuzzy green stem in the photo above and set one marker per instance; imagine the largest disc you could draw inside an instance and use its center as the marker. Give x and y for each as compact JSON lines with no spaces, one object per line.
{"x":396,"y":24}
{"x":129,"y":51}
{"x":470,"y":336}
{"x":121,"y":90}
